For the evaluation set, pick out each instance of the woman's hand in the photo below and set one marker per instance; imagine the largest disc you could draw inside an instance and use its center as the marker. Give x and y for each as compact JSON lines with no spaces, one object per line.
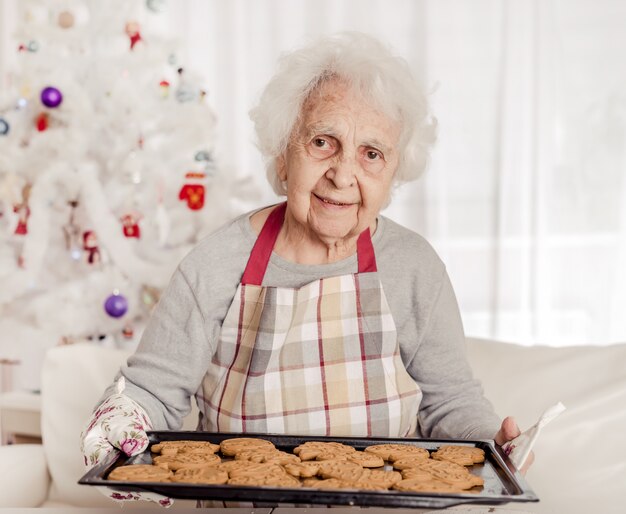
{"x":119,"y":424}
{"x":509,"y":431}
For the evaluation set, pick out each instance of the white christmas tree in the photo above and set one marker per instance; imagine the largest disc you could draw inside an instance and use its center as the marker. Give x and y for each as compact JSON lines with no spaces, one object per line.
{"x":107,"y":174}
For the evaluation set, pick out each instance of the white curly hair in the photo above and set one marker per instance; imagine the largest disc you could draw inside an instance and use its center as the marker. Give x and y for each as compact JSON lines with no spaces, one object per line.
{"x":371,"y":69}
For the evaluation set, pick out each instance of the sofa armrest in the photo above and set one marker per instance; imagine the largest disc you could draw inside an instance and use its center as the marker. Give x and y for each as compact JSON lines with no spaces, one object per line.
{"x":26,"y":480}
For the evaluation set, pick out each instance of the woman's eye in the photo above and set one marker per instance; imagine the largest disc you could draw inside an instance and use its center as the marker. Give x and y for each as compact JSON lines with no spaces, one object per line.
{"x":321,"y":147}
{"x":372,"y":155}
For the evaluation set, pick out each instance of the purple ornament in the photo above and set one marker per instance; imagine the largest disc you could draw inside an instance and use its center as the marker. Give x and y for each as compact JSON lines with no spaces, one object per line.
{"x":51,"y":97}
{"x":116,"y":305}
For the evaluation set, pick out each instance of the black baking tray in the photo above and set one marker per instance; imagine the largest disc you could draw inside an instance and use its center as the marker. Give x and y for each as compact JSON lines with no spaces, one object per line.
{"x":503,"y":483}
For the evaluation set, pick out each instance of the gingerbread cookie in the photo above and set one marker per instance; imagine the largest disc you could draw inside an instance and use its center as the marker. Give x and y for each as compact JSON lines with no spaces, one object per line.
{"x":174,"y":447}
{"x":201,"y":476}
{"x":464,"y":455}
{"x":279,"y":480}
{"x":408,"y":462}
{"x":365,"y":459}
{"x":340,"y":469}
{"x":231,"y":447}
{"x":254,"y":469}
{"x":416,"y":473}
{"x":321,"y":450}
{"x":140,"y":473}
{"x":268,"y":456}
{"x":306,"y":469}
{"x":444,"y":471}
{"x":418,"y":485}
{"x":230,"y":465}
{"x":395,"y":451}
{"x":186,"y":460}
{"x":380,"y":477}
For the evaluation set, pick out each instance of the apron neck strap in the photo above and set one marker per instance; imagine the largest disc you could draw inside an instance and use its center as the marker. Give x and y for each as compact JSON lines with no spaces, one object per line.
{"x":264,"y":245}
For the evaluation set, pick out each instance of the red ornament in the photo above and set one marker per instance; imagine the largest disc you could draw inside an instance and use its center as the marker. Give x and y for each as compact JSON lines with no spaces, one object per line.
{"x":128,"y":332}
{"x":164,"y":86}
{"x":90,"y":245}
{"x":23,"y":212}
{"x":132,"y":30}
{"x":193,"y":192}
{"x":130,"y":224}
{"x":42,"y":122}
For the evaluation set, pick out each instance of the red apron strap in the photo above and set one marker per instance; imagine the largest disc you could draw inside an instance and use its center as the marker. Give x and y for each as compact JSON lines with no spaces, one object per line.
{"x":262,"y":249}
{"x":365,"y":253}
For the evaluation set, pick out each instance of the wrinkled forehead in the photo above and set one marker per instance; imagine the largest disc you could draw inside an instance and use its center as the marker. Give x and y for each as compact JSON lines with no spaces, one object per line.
{"x":337,"y":89}
{"x":333,"y":98}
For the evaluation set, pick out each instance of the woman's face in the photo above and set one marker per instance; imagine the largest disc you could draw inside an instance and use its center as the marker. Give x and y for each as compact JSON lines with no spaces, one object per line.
{"x":339,"y":164}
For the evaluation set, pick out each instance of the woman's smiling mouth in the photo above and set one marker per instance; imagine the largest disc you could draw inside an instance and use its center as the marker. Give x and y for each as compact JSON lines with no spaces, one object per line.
{"x":329,"y":202}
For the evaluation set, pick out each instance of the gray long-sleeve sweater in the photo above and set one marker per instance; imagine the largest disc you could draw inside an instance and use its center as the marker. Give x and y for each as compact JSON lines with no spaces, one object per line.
{"x":179,"y":341}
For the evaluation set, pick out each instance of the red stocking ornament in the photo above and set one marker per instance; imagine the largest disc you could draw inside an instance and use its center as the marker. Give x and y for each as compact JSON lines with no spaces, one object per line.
{"x":194,"y":190}
{"x":130,"y":224}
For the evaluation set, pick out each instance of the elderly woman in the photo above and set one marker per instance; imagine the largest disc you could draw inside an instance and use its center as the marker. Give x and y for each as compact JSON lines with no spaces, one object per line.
{"x":318,"y":315}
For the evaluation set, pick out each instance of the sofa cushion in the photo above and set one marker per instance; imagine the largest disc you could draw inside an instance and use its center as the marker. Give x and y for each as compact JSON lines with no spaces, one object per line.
{"x":25,"y":479}
{"x":580,"y":460}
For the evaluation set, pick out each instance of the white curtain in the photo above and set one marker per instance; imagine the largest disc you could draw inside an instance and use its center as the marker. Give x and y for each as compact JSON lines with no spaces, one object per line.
{"x":525,"y":199}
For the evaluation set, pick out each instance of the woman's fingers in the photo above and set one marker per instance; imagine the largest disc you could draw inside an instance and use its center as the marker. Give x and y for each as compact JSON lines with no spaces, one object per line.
{"x":508,"y":431}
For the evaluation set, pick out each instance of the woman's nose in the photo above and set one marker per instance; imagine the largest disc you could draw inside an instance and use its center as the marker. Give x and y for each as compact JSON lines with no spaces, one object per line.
{"x":342,"y":172}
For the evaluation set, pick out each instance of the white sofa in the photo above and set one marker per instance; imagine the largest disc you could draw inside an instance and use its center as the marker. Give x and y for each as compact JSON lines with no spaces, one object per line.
{"x":580,"y":462}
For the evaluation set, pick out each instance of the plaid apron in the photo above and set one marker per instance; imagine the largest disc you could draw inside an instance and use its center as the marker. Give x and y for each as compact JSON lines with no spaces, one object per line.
{"x":322,"y":359}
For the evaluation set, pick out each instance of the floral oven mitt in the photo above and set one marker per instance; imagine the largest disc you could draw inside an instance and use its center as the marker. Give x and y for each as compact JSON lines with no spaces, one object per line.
{"x":119,"y":423}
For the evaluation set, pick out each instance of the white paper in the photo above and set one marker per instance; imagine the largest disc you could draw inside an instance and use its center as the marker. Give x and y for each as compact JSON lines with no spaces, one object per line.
{"x":519,"y":448}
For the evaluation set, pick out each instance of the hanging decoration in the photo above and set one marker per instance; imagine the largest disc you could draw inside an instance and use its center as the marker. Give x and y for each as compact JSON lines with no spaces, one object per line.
{"x":128,"y":332}
{"x":209,"y":164}
{"x":185,"y":92}
{"x":32,"y":46}
{"x":202,"y":155}
{"x":23,"y":212}
{"x":72,"y":233}
{"x":164,"y":86}
{"x":132,"y":31}
{"x":65,"y":20}
{"x":193,"y":191}
{"x":130,"y":224}
{"x":41,"y":122}
{"x":116,"y":305}
{"x":51,"y":97}
{"x":156,"y":5}
{"x":4,"y":127}
{"x":90,"y":245}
